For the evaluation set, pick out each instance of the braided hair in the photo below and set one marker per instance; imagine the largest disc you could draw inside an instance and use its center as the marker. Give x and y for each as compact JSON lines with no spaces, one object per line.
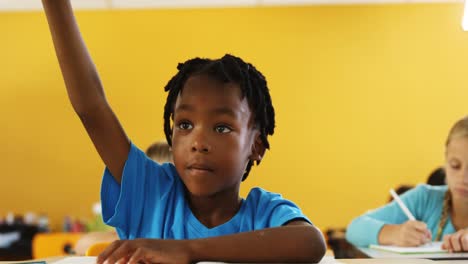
{"x":459,"y":129}
{"x":447,"y":207}
{"x":228,"y":69}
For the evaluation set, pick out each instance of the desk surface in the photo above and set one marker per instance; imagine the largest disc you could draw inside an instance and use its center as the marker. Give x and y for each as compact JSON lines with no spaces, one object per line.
{"x":326,"y":260}
{"x":374,"y":253}
{"x":386,"y":261}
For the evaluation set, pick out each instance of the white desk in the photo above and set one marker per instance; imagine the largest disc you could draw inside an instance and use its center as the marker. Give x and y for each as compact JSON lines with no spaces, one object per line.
{"x":331,"y":260}
{"x":326,"y":260}
{"x":388,"y":261}
{"x":374,"y":253}
{"x":450,"y":262}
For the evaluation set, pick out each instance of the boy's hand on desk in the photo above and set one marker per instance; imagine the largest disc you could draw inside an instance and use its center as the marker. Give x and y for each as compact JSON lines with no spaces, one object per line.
{"x":146,"y":251}
{"x":457,"y":241}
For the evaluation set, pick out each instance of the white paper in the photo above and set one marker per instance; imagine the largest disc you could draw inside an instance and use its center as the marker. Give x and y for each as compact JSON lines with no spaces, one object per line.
{"x":325,"y":260}
{"x":434,"y":247}
{"x":76,"y":260}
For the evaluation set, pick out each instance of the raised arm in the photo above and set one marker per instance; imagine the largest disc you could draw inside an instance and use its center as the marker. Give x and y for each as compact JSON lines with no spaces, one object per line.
{"x":84,"y":87}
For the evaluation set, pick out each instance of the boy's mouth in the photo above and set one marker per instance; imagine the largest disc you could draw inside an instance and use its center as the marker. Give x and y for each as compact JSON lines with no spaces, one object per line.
{"x":199,"y":167}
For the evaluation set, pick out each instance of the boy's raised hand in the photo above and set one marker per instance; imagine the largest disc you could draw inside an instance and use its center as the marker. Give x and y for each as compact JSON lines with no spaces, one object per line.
{"x":457,"y":241}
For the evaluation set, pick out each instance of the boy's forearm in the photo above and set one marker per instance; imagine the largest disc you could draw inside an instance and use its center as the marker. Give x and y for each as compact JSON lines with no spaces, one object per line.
{"x":84,"y":87}
{"x":80,"y":75}
{"x":283,"y":244}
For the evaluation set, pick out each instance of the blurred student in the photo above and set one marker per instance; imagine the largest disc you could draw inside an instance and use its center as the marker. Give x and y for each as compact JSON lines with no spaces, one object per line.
{"x":160,"y":152}
{"x":441,"y":212}
{"x":437,"y":177}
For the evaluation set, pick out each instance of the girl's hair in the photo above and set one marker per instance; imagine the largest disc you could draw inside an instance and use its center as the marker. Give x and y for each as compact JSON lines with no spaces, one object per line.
{"x":459,"y":129}
{"x":160,"y":152}
{"x":444,"y":215}
{"x":228,"y":69}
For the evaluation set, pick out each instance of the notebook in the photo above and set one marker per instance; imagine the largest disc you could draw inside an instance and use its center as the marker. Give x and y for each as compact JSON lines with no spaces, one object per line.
{"x":65,"y":260}
{"x":429,"y":248}
{"x":325,"y":260}
{"x":77,"y":260}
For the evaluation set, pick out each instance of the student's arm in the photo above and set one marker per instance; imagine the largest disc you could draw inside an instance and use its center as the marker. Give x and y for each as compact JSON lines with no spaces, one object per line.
{"x":388,"y":225}
{"x":409,"y":234}
{"x":296,"y":242}
{"x":84,"y":87}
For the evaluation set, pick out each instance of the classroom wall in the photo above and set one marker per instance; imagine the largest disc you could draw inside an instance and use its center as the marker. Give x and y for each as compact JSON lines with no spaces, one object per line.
{"x":364,"y":97}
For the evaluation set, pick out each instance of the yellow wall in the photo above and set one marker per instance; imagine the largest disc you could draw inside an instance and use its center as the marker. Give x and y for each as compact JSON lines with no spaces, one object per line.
{"x":364,"y":97}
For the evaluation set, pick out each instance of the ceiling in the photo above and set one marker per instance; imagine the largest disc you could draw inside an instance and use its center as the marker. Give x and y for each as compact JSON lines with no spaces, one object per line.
{"x":18,"y":5}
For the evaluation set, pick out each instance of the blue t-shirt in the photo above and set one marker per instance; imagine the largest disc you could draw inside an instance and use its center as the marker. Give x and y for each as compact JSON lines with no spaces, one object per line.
{"x":425,"y":202}
{"x":150,"y":203}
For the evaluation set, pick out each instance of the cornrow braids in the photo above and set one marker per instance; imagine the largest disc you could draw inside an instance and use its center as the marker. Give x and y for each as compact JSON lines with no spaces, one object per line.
{"x":447,"y":207}
{"x":228,"y":69}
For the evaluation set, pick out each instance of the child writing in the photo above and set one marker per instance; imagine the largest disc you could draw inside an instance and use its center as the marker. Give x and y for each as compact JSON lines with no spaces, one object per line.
{"x":217,"y":119}
{"x":441,"y":212}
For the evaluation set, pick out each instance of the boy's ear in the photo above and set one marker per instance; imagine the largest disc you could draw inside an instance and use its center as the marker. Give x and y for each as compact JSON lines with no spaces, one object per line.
{"x":258,"y":149}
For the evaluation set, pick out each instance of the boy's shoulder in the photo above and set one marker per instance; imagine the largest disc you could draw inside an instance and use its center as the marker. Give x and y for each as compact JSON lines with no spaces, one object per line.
{"x":259,"y":196}
{"x":257,"y":193}
{"x":270,"y":208}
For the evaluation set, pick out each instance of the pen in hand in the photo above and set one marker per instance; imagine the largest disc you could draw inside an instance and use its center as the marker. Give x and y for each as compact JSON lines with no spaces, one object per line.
{"x":403,"y":206}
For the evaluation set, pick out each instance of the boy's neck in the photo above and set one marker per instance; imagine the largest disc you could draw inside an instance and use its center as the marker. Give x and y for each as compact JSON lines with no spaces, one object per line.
{"x":216,"y":210}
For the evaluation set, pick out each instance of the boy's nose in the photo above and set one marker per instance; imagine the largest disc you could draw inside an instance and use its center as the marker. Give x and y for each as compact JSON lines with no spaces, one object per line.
{"x":198,"y":146}
{"x":200,"y":143}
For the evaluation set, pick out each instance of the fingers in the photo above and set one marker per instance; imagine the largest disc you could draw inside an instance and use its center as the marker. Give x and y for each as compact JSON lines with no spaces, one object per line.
{"x":108,"y":251}
{"x":415,"y":233}
{"x":456,"y":242}
{"x":446,"y":243}
{"x":141,"y":255}
{"x":118,"y":252}
{"x":415,"y":239}
{"x":422,"y":227}
{"x":464,"y":241}
{"x":121,"y":254}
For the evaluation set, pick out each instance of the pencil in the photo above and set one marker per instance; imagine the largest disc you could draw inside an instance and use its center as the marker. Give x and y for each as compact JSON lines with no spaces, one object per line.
{"x":402,"y":205}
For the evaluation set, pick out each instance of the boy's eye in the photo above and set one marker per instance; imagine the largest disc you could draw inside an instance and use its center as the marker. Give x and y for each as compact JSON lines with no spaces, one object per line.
{"x":222,"y":129}
{"x":185,"y":125}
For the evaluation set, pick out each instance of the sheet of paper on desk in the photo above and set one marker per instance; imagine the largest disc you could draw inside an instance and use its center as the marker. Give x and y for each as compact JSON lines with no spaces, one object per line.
{"x":434,"y":247}
{"x":325,"y":260}
{"x":76,"y":260}
{"x":24,"y":262}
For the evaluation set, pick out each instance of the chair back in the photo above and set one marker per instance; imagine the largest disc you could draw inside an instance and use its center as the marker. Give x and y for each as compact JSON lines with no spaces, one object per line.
{"x":97,"y":248}
{"x":46,"y":245}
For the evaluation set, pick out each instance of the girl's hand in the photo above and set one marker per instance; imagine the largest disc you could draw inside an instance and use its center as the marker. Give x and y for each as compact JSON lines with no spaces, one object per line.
{"x":457,"y":241}
{"x":412,"y":233}
{"x":146,"y":251}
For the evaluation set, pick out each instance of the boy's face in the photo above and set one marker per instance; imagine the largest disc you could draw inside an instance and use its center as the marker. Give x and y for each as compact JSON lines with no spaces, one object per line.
{"x":456,"y":167}
{"x":213,"y":137}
